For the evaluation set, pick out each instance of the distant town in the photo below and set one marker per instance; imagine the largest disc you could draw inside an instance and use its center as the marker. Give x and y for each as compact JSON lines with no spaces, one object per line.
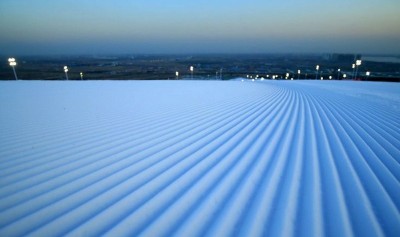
{"x":203,"y":67}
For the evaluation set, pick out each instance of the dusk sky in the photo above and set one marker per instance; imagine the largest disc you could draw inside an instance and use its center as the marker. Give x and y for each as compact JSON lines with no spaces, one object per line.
{"x":199,"y":26}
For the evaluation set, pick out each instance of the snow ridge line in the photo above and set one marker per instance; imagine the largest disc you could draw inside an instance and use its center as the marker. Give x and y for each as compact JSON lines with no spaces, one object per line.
{"x":261,"y":159}
{"x":141,"y":150}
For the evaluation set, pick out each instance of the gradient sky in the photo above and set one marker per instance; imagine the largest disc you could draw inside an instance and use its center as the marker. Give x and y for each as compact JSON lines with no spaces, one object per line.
{"x":199,"y":26}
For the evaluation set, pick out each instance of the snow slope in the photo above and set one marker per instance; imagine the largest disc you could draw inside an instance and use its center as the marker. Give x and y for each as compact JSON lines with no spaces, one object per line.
{"x":199,"y":158}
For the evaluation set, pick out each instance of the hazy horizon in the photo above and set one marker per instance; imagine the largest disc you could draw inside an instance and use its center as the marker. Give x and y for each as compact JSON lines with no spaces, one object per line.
{"x":67,"y":27}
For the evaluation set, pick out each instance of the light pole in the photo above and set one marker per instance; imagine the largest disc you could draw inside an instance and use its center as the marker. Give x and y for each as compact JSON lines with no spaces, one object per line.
{"x":330,"y":77}
{"x":316,"y":74}
{"x":353,"y":66}
{"x":287,"y":75}
{"x":368,"y":73}
{"x":191,"y":71}
{"x":66,"y":72}
{"x":358,"y":63}
{"x":81,"y":75}
{"x":177,"y":75}
{"x":13,"y":63}
{"x":338,"y":73}
{"x":298,"y":74}
{"x":344,"y":76}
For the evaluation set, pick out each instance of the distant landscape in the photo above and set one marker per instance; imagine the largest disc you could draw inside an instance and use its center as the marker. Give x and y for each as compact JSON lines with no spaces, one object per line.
{"x":206,"y":67}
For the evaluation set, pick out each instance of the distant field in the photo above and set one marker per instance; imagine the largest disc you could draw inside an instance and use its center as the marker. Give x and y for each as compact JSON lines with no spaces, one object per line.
{"x":208,"y":67}
{"x":199,"y":158}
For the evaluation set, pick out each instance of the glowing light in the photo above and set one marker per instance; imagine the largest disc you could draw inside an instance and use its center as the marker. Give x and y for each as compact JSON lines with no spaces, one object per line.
{"x":330,"y":77}
{"x":368,"y":73}
{"x":358,"y":63}
{"x":13,"y":63}
{"x":317,"y":67}
{"x":66,"y":72}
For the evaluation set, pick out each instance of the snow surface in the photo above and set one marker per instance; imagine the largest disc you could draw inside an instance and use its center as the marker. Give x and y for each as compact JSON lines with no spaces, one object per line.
{"x":199,"y":158}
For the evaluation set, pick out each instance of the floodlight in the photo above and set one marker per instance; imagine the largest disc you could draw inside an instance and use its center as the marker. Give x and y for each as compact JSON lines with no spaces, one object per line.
{"x":66,"y":72}
{"x":13,"y":63}
{"x":358,"y":63}
{"x":368,"y":73}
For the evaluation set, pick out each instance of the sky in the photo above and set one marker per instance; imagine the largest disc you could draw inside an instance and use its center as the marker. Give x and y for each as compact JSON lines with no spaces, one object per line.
{"x":43,"y":27}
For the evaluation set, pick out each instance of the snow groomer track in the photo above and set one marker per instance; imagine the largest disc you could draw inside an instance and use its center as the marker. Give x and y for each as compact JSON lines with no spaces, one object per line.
{"x":199,"y":158}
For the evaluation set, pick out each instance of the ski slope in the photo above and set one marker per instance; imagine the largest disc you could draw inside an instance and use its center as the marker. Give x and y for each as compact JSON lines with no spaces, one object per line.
{"x":199,"y":158}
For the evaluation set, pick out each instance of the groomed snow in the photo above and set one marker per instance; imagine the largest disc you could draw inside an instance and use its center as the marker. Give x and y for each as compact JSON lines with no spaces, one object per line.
{"x":199,"y":158}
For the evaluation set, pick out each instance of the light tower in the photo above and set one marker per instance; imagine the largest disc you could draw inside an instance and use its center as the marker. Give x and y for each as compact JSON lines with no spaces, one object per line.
{"x":316,"y":74}
{"x":338,"y":73}
{"x":81,"y":75}
{"x":354,"y":68}
{"x":66,"y":72}
{"x":358,"y":63}
{"x":298,"y":74}
{"x":191,"y":71}
{"x":368,"y":73}
{"x":344,"y":76}
{"x":13,"y":63}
